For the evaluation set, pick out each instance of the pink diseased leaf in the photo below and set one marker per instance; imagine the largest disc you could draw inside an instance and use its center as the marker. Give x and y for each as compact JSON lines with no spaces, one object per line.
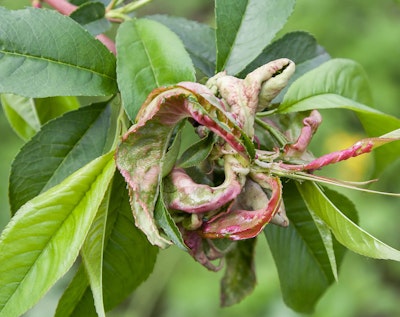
{"x":361,"y":147}
{"x":141,"y":155}
{"x":240,"y":223}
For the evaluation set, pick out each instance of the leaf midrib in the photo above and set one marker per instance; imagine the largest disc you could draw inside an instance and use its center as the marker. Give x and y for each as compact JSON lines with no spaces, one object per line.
{"x":57,"y":62}
{"x":51,"y":238}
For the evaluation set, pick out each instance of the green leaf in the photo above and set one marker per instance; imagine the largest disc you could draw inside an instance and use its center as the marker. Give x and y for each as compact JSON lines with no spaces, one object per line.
{"x":301,"y":257}
{"x":341,"y":83}
{"x":44,"y":53}
{"x":244,"y":28}
{"x":149,"y":56}
{"x":164,"y":220}
{"x":198,"y":152}
{"x":198,"y":39}
{"x":59,"y":221}
{"x":128,"y":260}
{"x":91,"y":16}
{"x":240,"y":278}
{"x":21,"y":114}
{"x":92,"y":254}
{"x":345,"y":231}
{"x":61,"y":147}
{"x":27,"y":115}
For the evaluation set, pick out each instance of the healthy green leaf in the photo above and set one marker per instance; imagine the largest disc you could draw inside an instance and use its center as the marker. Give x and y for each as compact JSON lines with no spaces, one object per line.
{"x":27,"y":115}
{"x":341,"y":83}
{"x":304,"y":267}
{"x":59,"y":219}
{"x":92,"y":254}
{"x":164,"y":220}
{"x":198,"y":39}
{"x":240,"y":278}
{"x":149,"y":56}
{"x":91,"y":16}
{"x":345,"y":231}
{"x":61,"y":147}
{"x":75,"y":293}
{"x":44,"y":53}
{"x":244,"y":28}
{"x":128,"y":260}
{"x":198,"y":152}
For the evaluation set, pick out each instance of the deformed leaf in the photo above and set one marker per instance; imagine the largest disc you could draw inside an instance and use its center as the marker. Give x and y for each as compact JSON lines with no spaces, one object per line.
{"x":141,"y":154}
{"x":341,"y":83}
{"x":61,"y":147}
{"x":346,"y":232}
{"x":245,"y":28}
{"x":149,"y":56}
{"x":59,"y":219}
{"x":44,"y":53}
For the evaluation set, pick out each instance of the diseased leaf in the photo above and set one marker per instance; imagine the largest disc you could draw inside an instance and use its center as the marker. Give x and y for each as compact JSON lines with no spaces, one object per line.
{"x":61,"y":147}
{"x":244,"y":28}
{"x":240,"y":278}
{"x":149,"y":56}
{"x":301,"y":258}
{"x":346,"y":232}
{"x":44,"y":54}
{"x":59,"y":219}
{"x":127,"y":261}
{"x":141,"y":154}
{"x":300,"y":47}
{"x":198,"y":39}
{"x":341,"y":83}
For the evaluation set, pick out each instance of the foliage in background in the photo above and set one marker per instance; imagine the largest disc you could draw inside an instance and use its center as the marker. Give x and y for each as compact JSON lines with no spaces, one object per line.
{"x":78,"y":145}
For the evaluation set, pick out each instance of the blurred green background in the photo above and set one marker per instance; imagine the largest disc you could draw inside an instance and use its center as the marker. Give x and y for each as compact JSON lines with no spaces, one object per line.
{"x":367,"y":31}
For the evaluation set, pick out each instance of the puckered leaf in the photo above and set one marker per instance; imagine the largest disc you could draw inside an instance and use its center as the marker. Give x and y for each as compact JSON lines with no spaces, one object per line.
{"x":300,"y":255}
{"x":44,"y":53}
{"x":346,"y":232}
{"x":300,"y":47}
{"x":128,"y":260}
{"x":341,"y":83}
{"x":244,"y":28}
{"x":149,"y":56}
{"x":59,"y":221}
{"x":251,"y":212}
{"x":27,"y":115}
{"x":50,"y":156}
{"x":141,"y":155}
{"x":198,"y":39}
